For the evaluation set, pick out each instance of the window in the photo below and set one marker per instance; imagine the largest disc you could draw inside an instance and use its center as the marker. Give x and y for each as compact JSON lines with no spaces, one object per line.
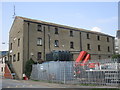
{"x":5,"y":59}
{"x":99,"y":57}
{"x":56,"y":43}
{"x":39,"y":55}
{"x":107,"y":39}
{"x":98,"y":38}
{"x":39,"y":28}
{"x":88,"y":46}
{"x":2,"y":61}
{"x":39,"y":41}
{"x":14,"y":58}
{"x":11,"y":46}
{"x":10,"y":57}
{"x":108,"y":56}
{"x":56,"y":30}
{"x":1,"y":69}
{"x":71,"y":45}
{"x":44,"y":28}
{"x":71,"y":33}
{"x":18,"y":56}
{"x":108,"y":49}
{"x":19,"y":42}
{"x":99,"y":49}
{"x":88,"y":36}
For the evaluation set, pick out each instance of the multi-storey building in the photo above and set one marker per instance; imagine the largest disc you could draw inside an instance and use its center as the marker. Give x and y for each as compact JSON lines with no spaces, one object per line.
{"x":3,"y":59}
{"x":29,"y":38}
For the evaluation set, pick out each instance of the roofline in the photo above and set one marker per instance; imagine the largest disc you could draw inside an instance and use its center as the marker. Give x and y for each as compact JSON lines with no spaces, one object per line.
{"x":62,"y":26}
{"x":12,"y":24}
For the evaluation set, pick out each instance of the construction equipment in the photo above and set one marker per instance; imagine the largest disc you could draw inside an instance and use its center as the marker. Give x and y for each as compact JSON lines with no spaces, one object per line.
{"x":82,"y":61}
{"x":82,"y":58}
{"x":59,"y":56}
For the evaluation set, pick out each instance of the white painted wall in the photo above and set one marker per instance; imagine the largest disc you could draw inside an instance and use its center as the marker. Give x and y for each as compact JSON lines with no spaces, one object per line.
{"x":2,"y":65}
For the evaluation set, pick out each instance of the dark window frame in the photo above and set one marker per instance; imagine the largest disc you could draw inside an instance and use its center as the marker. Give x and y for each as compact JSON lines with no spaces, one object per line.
{"x":10,"y":57}
{"x":44,"y":28}
{"x":108,"y":49}
{"x":14,"y":57}
{"x":98,"y":38}
{"x":72,"y":45}
{"x":39,"y":55}
{"x":88,"y":36}
{"x":99,"y":56}
{"x":18,"y":56}
{"x":71,"y":33}
{"x":39,"y":41}
{"x":5,"y":59}
{"x":88,"y":47}
{"x":1,"y":69}
{"x":39,"y":28}
{"x":10,"y":46}
{"x":56,"y":30}
{"x":99,"y":48}
{"x":108,"y":39}
{"x":18,"y":42}
{"x":56,"y":43}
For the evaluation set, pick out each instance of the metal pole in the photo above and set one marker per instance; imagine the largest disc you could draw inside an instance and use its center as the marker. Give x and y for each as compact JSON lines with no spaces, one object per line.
{"x":64,"y":73}
{"x":118,"y":65}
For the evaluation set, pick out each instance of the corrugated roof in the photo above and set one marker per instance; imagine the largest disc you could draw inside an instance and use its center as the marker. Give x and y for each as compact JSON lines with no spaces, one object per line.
{"x":58,"y":25}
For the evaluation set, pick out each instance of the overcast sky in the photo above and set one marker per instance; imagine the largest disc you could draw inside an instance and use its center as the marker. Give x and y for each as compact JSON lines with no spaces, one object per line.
{"x":96,"y":16}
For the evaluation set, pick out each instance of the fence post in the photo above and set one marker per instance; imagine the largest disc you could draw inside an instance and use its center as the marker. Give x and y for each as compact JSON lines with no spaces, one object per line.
{"x":118,"y":64}
{"x":48,"y":73}
{"x":64,"y":73}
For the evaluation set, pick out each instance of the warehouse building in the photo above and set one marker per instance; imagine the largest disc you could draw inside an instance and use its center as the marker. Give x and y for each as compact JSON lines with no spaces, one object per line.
{"x":29,"y":38}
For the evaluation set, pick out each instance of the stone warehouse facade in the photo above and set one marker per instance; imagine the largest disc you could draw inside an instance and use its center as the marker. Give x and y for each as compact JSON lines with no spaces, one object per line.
{"x":29,"y":38}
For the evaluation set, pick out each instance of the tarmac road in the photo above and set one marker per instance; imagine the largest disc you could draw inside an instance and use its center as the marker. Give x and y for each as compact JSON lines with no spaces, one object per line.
{"x":10,"y":83}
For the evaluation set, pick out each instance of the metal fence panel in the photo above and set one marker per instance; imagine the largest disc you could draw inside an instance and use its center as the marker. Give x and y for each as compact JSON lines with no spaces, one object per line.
{"x":105,"y":72}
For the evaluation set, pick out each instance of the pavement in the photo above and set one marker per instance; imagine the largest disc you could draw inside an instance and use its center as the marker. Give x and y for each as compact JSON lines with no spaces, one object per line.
{"x":10,"y":83}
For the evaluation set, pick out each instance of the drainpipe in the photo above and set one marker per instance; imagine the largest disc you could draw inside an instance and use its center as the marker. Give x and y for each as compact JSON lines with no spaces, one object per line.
{"x":49,"y":37}
{"x":28,"y":40}
{"x":80,"y":42}
{"x":44,"y":43}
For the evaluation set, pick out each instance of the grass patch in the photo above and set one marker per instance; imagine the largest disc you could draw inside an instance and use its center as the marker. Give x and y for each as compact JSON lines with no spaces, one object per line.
{"x":35,"y":80}
{"x":48,"y":81}
{"x":88,"y":85}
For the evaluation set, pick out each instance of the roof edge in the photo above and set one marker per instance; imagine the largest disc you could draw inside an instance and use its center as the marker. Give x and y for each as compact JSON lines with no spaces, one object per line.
{"x":59,"y":25}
